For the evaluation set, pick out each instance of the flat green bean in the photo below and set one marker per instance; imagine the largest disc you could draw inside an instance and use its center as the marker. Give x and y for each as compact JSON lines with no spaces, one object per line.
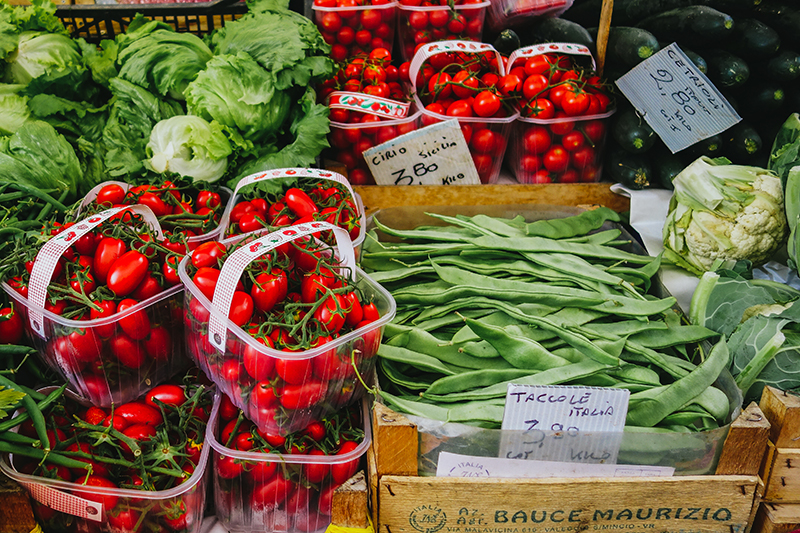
{"x":683,"y":334}
{"x":650,"y":413}
{"x":542,"y":245}
{"x":500,"y":226}
{"x":519,"y":351}
{"x":580,"y":224}
{"x":415,"y":407}
{"x":441,"y":233}
{"x":396,"y":376}
{"x":474,"y":379}
{"x":423,"y":342}
{"x":420,"y":360}
{"x":481,"y":410}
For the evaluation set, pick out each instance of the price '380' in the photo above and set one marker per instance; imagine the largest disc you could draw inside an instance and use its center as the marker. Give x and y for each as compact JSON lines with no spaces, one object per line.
{"x":402,"y":177}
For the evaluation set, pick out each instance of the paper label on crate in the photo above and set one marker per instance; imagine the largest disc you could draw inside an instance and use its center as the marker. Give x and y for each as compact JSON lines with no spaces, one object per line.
{"x":64,"y":502}
{"x":52,"y":250}
{"x":677,"y":100}
{"x":234,"y":265}
{"x":434,"y":155}
{"x":373,"y":105}
{"x":548,"y":48}
{"x":563,"y":423}
{"x":458,"y":465}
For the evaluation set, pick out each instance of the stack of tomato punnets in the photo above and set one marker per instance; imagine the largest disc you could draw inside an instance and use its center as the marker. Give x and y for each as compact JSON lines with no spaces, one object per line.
{"x":143,"y":461}
{"x":285,"y":324}
{"x":368,"y":107}
{"x":456,"y":79}
{"x":355,"y":27}
{"x":269,"y":482}
{"x":564,"y":106}
{"x":284,"y":197}
{"x":181,"y":208}
{"x":109,"y":319}
{"x":424,"y":21}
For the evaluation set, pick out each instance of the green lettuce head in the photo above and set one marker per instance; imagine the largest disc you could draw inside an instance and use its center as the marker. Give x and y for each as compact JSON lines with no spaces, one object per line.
{"x":189,"y":146}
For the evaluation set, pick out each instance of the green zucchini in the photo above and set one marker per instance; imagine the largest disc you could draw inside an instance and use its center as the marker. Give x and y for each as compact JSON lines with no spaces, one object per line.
{"x":725,"y":69}
{"x":556,"y":30}
{"x":632,"y":133}
{"x":752,"y":38}
{"x":506,"y":42}
{"x":761,"y":98}
{"x":783,"y":17}
{"x":632,"y":170}
{"x":741,"y":141}
{"x":733,"y":7}
{"x":625,"y":13}
{"x":628,"y":46}
{"x":785,"y":66}
{"x":695,"y":25}
{"x":709,"y":147}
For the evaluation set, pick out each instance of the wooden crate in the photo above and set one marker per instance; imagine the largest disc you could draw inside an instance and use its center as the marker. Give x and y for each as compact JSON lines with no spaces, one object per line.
{"x":571,"y":194}
{"x":777,"y":518}
{"x":407,"y":503}
{"x":781,"y":466}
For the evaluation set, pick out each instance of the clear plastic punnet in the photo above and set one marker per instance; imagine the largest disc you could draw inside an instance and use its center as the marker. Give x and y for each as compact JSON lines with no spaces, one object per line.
{"x":106,"y":360}
{"x":192,"y":241}
{"x":356,"y":30}
{"x":291,"y":492}
{"x":270,"y":187}
{"x":64,"y":506}
{"x":419,"y":25}
{"x":283,"y":389}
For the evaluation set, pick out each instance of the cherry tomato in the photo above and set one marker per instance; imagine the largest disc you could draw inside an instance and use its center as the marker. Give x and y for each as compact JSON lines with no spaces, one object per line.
{"x":534,"y":85}
{"x":341,"y":472}
{"x":127,"y":350}
{"x":260,"y":366}
{"x":331,"y":314}
{"x":139,"y":412}
{"x":108,"y":250}
{"x":484,"y":141}
{"x":270,"y":495}
{"x":165,"y":393}
{"x":109,"y":501}
{"x":536,"y":139}
{"x":159,"y":344}
{"x":583,"y":157}
{"x":10,"y":326}
{"x":486,"y":104}
{"x":269,"y":288}
{"x":573,"y":140}
{"x":575,"y":102}
{"x":556,"y":159}
{"x":137,"y":324}
{"x":304,"y":395}
{"x":207,"y":254}
{"x":294,"y":371}
{"x":540,"y":108}
{"x":126,"y":272}
{"x":595,"y":130}
{"x":206,"y":281}
{"x":110,"y":195}
{"x":316,"y":472}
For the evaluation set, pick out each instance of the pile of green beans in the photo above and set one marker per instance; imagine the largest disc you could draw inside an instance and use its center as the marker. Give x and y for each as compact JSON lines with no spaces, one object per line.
{"x":484,"y":301}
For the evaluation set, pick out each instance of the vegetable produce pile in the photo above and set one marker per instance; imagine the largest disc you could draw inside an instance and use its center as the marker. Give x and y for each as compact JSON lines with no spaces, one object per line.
{"x":154,"y":103}
{"x":749,"y":50}
{"x":486,"y":301}
{"x":292,"y":301}
{"x":151,"y":444}
{"x":257,"y":487}
{"x":103,"y":340}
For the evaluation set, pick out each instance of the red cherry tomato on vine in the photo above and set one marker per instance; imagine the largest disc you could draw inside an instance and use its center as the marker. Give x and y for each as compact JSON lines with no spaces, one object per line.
{"x":126,"y":272}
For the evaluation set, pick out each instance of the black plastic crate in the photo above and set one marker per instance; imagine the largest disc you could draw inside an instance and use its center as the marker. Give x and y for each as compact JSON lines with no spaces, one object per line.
{"x":94,"y":22}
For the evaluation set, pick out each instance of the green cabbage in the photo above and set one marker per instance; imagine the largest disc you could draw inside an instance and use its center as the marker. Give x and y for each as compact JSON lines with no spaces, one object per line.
{"x":190,"y":146}
{"x":237,"y":92}
{"x":14,"y":109}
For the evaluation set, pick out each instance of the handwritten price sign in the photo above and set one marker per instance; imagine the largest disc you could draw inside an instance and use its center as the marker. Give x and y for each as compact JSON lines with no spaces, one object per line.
{"x":435,"y":155}
{"x":677,"y":100}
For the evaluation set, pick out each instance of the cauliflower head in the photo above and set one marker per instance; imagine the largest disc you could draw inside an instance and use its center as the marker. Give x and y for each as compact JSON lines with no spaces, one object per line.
{"x":724,"y":211}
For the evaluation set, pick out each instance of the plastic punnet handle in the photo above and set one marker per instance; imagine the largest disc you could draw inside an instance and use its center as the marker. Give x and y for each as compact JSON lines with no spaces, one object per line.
{"x":293,"y":173}
{"x":373,"y":105}
{"x":235,"y":264}
{"x":52,"y":250}
{"x":64,"y":502}
{"x":439,"y":47}
{"x":547,"y":48}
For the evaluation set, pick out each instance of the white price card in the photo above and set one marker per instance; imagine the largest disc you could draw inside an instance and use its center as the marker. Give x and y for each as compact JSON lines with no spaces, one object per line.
{"x":434,"y":155}
{"x":677,"y":100}
{"x":563,"y":423}
{"x":457,"y":465}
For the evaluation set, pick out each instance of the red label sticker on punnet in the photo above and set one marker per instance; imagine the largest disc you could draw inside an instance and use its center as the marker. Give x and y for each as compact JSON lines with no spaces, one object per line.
{"x":373,"y":105}
{"x":235,"y":264}
{"x":549,"y":48}
{"x":64,"y":502}
{"x":45,"y":263}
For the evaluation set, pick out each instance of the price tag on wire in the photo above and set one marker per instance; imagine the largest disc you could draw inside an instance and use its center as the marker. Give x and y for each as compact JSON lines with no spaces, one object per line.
{"x":434,"y":155}
{"x":677,"y":100}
